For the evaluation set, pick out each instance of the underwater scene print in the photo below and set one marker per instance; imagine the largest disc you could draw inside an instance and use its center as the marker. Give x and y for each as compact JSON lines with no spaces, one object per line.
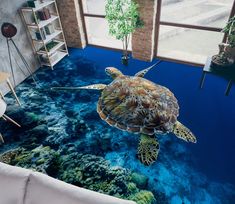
{"x":63,"y":136}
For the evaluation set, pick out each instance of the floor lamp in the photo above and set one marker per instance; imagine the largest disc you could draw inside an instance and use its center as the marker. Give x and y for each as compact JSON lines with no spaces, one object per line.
{"x":9,"y":31}
{"x":3,"y":107}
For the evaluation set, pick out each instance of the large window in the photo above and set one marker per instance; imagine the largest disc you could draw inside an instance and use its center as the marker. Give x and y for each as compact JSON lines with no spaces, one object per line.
{"x":186,"y":30}
{"x":188,"y":45}
{"x":213,"y":13}
{"x":94,"y":7}
{"x":97,"y":26}
{"x":189,"y":30}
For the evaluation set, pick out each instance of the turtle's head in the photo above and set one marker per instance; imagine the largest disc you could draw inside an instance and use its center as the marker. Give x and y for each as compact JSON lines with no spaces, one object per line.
{"x":113,"y":72}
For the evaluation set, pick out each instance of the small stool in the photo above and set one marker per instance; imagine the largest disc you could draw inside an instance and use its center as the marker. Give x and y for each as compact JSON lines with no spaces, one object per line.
{"x":3,"y":107}
{"x":4,"y":77}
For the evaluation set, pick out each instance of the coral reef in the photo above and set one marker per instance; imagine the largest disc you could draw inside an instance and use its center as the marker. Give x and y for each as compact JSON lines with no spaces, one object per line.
{"x":84,"y":170}
{"x":63,"y":136}
{"x":7,"y":157}
{"x":40,"y":159}
{"x":95,"y":173}
{"x":143,"y":197}
{"x":140,"y":180}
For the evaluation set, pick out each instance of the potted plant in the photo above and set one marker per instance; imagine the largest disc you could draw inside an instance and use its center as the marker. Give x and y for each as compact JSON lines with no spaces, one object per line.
{"x":221,"y":60}
{"x":226,"y":56}
{"x":123,"y":18}
{"x":229,"y":30}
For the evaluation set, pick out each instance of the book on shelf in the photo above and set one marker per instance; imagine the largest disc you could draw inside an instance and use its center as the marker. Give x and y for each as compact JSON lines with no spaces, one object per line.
{"x":44,"y":14}
{"x":33,"y":3}
{"x":42,"y":35}
{"x":47,"y":13}
{"x":49,"y":46}
{"x":49,"y":29}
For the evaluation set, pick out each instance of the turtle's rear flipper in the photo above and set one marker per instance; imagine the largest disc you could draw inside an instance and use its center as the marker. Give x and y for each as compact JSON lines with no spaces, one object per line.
{"x":183,"y":133}
{"x":94,"y":87}
{"x":148,"y":149}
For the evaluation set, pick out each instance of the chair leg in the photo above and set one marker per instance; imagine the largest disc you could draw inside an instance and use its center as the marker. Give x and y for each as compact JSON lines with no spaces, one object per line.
{"x":13,"y":91}
{"x":2,"y":96}
{"x":11,"y":120}
{"x":1,"y":138}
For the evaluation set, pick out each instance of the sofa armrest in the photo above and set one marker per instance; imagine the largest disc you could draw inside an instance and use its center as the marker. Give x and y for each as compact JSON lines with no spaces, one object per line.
{"x":22,"y":186}
{"x":13,"y":183}
{"x":43,"y":189}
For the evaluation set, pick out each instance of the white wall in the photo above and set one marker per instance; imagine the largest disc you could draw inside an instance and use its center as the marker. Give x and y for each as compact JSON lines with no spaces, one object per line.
{"x":9,"y":13}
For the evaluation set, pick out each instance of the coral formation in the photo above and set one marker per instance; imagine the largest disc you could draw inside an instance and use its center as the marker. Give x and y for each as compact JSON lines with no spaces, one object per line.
{"x":8,"y":156}
{"x":143,"y":197}
{"x":40,"y":159}
{"x":140,"y":180}
{"x":88,"y":171}
{"x":95,"y":173}
{"x":63,"y":136}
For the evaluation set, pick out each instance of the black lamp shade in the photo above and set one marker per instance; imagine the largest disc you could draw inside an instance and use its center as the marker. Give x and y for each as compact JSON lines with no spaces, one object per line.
{"x":8,"y":30}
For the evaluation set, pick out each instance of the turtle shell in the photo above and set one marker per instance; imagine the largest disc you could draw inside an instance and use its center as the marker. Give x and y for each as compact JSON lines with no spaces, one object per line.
{"x":138,"y":105}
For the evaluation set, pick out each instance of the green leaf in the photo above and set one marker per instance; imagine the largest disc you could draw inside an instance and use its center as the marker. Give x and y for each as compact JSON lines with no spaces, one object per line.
{"x":123,"y":18}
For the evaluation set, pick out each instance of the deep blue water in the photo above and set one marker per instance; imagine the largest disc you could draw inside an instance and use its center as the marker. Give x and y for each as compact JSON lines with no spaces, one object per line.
{"x":207,"y":112}
{"x":196,"y":173}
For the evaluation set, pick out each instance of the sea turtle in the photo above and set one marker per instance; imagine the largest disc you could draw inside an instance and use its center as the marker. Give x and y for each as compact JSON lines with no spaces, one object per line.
{"x":137,"y":105}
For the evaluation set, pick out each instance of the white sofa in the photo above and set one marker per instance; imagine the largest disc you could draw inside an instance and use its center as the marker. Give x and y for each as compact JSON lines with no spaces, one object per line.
{"x":22,"y":186}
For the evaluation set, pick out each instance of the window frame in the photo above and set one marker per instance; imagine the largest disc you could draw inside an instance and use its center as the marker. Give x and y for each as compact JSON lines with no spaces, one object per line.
{"x":83,"y":14}
{"x":158,"y":23}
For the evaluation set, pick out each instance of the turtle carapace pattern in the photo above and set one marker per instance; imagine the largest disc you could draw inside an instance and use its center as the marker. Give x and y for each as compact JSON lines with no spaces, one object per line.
{"x":139,"y":106}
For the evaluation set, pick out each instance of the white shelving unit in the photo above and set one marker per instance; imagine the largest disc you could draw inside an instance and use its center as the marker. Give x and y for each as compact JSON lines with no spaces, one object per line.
{"x":47,"y":56}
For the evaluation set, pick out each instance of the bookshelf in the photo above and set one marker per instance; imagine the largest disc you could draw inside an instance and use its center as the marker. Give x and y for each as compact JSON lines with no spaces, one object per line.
{"x":43,"y":24}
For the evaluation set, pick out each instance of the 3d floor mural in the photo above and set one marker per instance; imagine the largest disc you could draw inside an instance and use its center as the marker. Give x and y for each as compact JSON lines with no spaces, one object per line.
{"x":63,"y":136}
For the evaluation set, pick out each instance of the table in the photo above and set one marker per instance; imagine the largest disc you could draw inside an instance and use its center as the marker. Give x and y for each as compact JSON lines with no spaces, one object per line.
{"x":4,"y":77}
{"x":227,"y":73}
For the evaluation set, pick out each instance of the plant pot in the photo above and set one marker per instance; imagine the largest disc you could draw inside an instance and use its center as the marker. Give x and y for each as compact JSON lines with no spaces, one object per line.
{"x":218,"y":62}
{"x":125,"y":60}
{"x":230,"y":52}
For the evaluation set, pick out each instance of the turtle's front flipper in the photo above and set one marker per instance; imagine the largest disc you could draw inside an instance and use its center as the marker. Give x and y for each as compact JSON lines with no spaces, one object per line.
{"x":143,"y":72}
{"x":148,"y":149}
{"x":183,"y":133}
{"x":94,"y":87}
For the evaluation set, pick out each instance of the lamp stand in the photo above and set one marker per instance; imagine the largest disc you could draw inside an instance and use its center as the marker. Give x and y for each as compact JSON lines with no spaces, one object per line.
{"x":21,"y":57}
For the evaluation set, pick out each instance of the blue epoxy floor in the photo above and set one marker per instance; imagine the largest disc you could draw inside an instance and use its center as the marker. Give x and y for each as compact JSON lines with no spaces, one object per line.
{"x":195,"y":173}
{"x":208,"y":112}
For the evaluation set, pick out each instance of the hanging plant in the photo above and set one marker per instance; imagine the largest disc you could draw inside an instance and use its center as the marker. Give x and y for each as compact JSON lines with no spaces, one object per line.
{"x":123,"y":18}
